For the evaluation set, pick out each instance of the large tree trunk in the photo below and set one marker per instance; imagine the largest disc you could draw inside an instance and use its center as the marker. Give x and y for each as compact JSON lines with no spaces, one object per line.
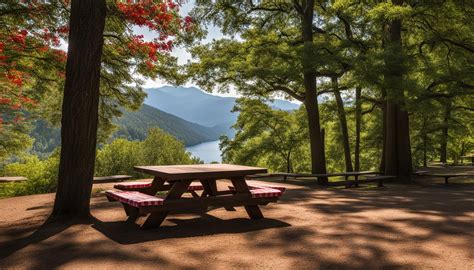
{"x":445,"y":132}
{"x":397,"y":160}
{"x":318,"y":160}
{"x":358,"y":119}
{"x":341,"y":112}
{"x":80,"y":108}
{"x":424,"y":137}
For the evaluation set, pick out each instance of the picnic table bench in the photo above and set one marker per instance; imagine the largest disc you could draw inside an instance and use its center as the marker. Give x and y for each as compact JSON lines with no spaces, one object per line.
{"x":177,"y":179}
{"x":12,"y":179}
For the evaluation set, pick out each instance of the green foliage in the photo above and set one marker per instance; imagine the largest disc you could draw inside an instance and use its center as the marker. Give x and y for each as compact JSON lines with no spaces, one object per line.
{"x":430,"y":67}
{"x":266,"y":137}
{"x":118,"y":157}
{"x":41,"y":174}
{"x":159,"y":148}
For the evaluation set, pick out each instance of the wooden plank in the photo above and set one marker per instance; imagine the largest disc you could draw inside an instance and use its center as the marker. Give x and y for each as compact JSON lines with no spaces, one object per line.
{"x":199,"y":171}
{"x":196,"y":205}
{"x":111,"y":178}
{"x":12,"y":179}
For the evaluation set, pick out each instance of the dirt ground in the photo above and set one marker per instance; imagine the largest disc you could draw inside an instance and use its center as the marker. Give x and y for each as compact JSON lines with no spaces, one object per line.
{"x":426,"y":225}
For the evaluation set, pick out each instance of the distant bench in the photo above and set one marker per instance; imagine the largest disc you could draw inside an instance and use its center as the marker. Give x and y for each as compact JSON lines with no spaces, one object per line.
{"x":347,"y":183}
{"x":446,"y":176}
{"x":12,"y":179}
{"x":111,"y":178}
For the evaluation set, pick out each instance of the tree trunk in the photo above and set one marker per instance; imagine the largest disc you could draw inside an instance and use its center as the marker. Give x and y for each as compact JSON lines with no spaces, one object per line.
{"x":425,"y":150}
{"x":288,"y":163}
{"x":445,"y":132}
{"x":318,"y":161}
{"x":80,"y":108}
{"x":341,"y":112}
{"x":397,"y":138}
{"x":358,"y":119}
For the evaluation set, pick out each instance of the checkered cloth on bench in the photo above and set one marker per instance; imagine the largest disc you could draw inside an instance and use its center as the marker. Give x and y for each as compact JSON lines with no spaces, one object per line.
{"x":256,"y":185}
{"x":140,"y":184}
{"x":134,"y":198}
{"x":265,"y":193}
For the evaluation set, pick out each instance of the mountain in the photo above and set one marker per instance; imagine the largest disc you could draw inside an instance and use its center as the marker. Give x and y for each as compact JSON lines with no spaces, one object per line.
{"x":195,"y":105}
{"x":134,"y":126}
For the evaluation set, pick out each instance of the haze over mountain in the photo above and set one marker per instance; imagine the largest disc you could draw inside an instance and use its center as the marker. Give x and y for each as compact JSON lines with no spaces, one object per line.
{"x":195,"y":105}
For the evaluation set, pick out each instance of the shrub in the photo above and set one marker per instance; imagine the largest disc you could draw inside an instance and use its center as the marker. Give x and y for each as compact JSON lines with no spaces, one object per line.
{"x":41,"y":174}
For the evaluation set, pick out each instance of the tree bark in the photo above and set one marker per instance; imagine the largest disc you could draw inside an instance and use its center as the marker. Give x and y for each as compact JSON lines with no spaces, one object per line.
{"x":80,"y":108}
{"x":397,"y":152}
{"x":445,"y":132}
{"x":318,"y":160}
{"x":358,"y":119}
{"x":341,"y":112}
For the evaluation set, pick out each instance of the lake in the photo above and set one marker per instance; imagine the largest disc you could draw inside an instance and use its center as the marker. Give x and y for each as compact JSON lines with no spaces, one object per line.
{"x":207,"y":152}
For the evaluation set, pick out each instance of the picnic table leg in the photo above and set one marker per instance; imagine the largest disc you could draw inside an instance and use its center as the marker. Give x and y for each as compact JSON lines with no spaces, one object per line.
{"x":446,"y":179}
{"x":155,"y":219}
{"x":241,"y":187}
{"x":132,"y":213}
{"x":356,"y":178}
{"x":156,"y":185}
{"x":210,"y":189}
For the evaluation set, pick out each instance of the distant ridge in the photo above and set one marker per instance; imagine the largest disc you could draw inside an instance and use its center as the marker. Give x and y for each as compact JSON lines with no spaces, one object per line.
{"x":134,"y":126}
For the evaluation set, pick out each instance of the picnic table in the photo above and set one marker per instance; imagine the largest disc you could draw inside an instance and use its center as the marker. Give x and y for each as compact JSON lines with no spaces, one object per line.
{"x":345,"y":174}
{"x":175,"y":180}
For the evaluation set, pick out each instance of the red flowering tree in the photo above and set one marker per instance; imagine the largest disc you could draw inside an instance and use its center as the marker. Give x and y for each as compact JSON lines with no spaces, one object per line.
{"x":29,"y":65}
{"x":34,"y":71}
{"x":32,"y":63}
{"x":103,"y":53}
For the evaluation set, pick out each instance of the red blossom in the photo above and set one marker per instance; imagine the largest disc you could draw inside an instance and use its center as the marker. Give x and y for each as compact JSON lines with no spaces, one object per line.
{"x":19,"y":37}
{"x":5,"y":101}
{"x":15,"y":106}
{"x":149,"y":64}
{"x":60,"y":55}
{"x":27,"y":100}
{"x":63,"y":29}
{"x":15,"y":77}
{"x":155,"y":16}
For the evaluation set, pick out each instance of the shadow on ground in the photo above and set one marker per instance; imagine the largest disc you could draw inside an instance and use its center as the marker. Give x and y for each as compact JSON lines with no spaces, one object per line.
{"x":398,"y":226}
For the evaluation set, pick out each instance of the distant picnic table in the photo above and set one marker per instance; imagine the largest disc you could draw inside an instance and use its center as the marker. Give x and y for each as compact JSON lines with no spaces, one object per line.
{"x":175,"y":180}
{"x":12,"y":179}
{"x":446,"y":176}
{"x":348,"y":183}
{"x":111,"y":178}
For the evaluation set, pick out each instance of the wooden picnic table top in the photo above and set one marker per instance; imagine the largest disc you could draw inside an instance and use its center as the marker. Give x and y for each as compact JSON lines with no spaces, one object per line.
{"x":199,"y":171}
{"x":8,"y":179}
